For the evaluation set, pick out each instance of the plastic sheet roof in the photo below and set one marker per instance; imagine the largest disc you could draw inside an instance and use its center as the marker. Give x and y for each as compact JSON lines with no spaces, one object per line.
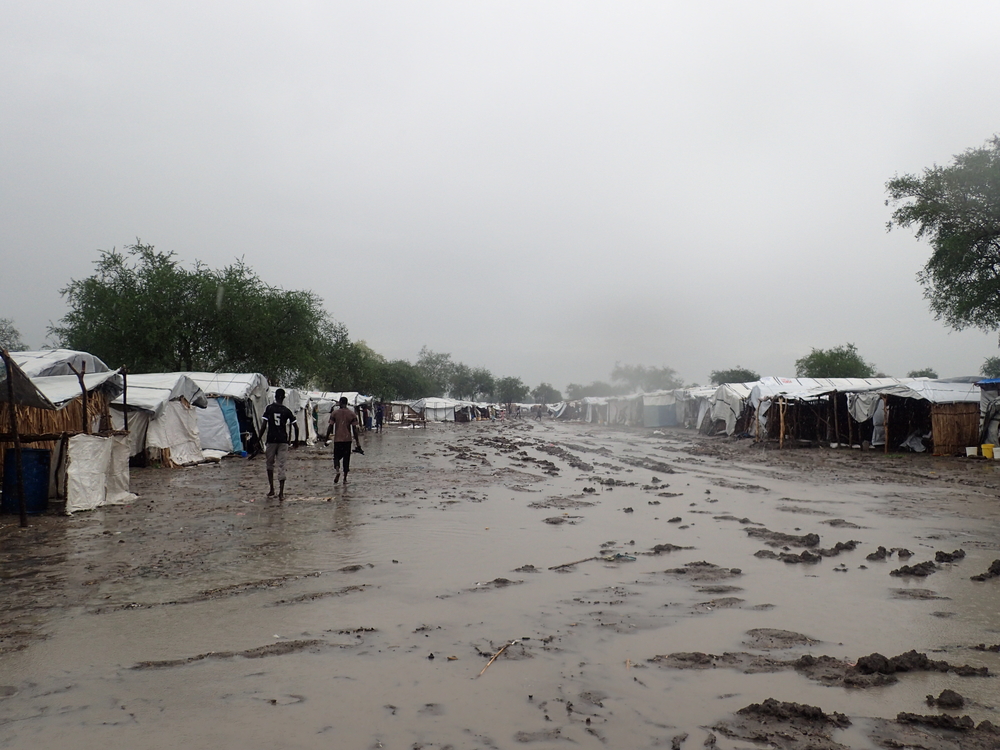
{"x":151,"y":391}
{"x":48,"y":362}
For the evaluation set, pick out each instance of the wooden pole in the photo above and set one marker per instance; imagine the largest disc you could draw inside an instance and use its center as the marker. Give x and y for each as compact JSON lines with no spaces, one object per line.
{"x":83,"y":388}
{"x":885,"y":421}
{"x":781,"y":414}
{"x":124,"y":397}
{"x":836,"y":419}
{"x":18,"y":470}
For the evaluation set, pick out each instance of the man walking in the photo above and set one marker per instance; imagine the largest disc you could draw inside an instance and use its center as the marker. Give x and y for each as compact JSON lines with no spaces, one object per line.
{"x":379,"y":416}
{"x":277,"y":417}
{"x":343,"y":424}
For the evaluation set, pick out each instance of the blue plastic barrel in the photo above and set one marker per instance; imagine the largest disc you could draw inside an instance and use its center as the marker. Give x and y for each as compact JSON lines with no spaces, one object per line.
{"x":35,"y":471}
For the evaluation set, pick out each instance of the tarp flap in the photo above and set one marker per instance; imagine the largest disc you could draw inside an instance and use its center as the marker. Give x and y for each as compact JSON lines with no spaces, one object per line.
{"x":26,"y":393}
{"x":97,"y":472}
{"x":176,"y":429}
{"x":151,"y":391}
{"x":213,"y":430}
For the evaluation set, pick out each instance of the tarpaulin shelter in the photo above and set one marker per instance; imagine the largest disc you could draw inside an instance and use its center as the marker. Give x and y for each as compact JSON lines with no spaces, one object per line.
{"x":68,"y":416}
{"x":595,"y":409}
{"x":989,"y":410}
{"x":302,"y":406}
{"x":324,"y":402}
{"x":163,"y":418}
{"x":436,"y":409}
{"x":945,"y":413}
{"x":727,"y":408}
{"x":626,"y":410}
{"x":659,"y":409}
{"x":241,"y":393}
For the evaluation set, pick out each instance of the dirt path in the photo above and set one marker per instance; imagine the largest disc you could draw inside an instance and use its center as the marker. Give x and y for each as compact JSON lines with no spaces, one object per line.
{"x":636,"y":589}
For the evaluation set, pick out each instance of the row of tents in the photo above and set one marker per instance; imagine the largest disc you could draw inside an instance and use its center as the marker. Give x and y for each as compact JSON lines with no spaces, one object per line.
{"x":89,"y":422}
{"x":943,"y":416}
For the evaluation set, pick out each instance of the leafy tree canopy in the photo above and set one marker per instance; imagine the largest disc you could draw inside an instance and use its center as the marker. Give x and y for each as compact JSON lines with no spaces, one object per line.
{"x":640,"y":377}
{"x":927,"y":372}
{"x":991,"y":367}
{"x":10,"y":337}
{"x":839,"y":362}
{"x":575,"y":391}
{"x":510,"y":390}
{"x":142,"y":308}
{"x":546,"y":394}
{"x":957,"y":208}
{"x":735,"y":375}
{"x":438,"y":369}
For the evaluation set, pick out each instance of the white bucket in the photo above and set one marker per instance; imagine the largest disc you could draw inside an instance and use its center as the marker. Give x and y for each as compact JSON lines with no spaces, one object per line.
{"x":972,"y":452}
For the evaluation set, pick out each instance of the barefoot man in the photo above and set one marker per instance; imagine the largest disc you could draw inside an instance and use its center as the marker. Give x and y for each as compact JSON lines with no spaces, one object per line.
{"x":343,"y":424}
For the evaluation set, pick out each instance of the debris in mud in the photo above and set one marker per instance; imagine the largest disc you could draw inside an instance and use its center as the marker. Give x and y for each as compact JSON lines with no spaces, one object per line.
{"x":921,"y":570}
{"x":807,"y":556}
{"x":840,"y":523}
{"x":919,"y":594}
{"x":779,"y":539}
{"x":983,"y":647}
{"x":704,"y":571}
{"x":878,"y":555}
{"x":948,"y":699}
{"x":669,"y":494}
{"x":496,"y":583}
{"x":647,"y":463}
{"x":746,"y":663}
{"x":790,"y":726}
{"x":772,"y":639}
{"x":565,"y":455}
{"x":527,"y":569}
{"x":272,"y":649}
{"x":737,"y":486}
{"x":557,"y":520}
{"x":947,"y":557}
{"x":992,"y":572}
{"x":730,"y":517}
{"x":316,"y":595}
{"x":907,"y":732}
{"x":675,"y":519}
{"x":661,"y":548}
{"x":562,"y":503}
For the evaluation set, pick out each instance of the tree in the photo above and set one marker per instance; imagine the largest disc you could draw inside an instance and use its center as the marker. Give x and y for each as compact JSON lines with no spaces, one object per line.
{"x":839,"y":362}
{"x":546,"y":394}
{"x":10,"y":337}
{"x":991,"y":367}
{"x":957,"y":208}
{"x":463,"y":385}
{"x":511,"y":390}
{"x":143,"y":309}
{"x":927,"y":372}
{"x":437,"y":368}
{"x":640,"y":377}
{"x":484,"y":383}
{"x":575,"y":391}
{"x":735,"y":375}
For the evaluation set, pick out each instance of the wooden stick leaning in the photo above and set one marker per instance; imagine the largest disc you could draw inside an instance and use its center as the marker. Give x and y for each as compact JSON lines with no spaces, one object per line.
{"x":494,"y":657}
{"x":570,"y":564}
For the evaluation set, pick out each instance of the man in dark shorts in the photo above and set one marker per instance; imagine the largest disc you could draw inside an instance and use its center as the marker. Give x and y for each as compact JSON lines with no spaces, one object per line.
{"x":379,"y":416}
{"x":343,"y":424}
{"x":277,"y":417}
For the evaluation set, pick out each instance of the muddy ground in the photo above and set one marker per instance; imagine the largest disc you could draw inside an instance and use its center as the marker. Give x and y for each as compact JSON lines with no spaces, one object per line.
{"x":515,"y":585}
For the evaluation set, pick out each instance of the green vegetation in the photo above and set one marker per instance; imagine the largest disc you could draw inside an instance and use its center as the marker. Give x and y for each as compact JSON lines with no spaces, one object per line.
{"x":10,"y":337}
{"x":957,"y":208}
{"x":546,"y":394}
{"x":839,"y":362}
{"x":927,"y":372}
{"x":734,"y":375}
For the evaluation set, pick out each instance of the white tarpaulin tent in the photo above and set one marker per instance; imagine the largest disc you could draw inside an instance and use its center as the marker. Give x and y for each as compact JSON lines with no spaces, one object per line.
{"x":249,"y":389}
{"x":727,"y":404}
{"x":97,"y":472}
{"x":163,"y":416}
{"x":436,"y":409}
{"x":47,"y":362}
{"x":301,"y":405}
{"x":326,"y":401}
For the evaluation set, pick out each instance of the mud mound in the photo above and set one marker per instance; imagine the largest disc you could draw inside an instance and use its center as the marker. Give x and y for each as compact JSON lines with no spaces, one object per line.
{"x":992,"y":572}
{"x":948,"y":699}
{"x":746,"y":663}
{"x":913,"y":661}
{"x":947,"y":557}
{"x":778,"y":539}
{"x":272,"y":649}
{"x":704,"y":571}
{"x":773,"y":638}
{"x":920,"y":570}
{"x":789,"y":726}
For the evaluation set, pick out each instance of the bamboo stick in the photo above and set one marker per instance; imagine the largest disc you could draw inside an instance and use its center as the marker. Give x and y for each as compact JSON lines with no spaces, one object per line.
{"x":18,"y":469}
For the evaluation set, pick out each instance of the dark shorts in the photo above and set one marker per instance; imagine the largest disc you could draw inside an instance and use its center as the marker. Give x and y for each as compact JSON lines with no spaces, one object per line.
{"x":342,"y":451}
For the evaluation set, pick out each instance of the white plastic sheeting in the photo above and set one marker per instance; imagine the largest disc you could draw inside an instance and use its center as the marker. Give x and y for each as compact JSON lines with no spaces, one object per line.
{"x":61,"y":389}
{"x":48,"y":362}
{"x":728,"y":402}
{"x":248,"y":387}
{"x":213,"y":430}
{"x":97,"y":472}
{"x":436,"y":409}
{"x":152,"y":391}
{"x":810,"y":389}
{"x":177,"y":430}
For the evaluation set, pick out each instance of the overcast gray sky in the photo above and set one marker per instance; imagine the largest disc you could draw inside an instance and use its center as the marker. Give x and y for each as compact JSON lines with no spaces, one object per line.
{"x":539,"y":188}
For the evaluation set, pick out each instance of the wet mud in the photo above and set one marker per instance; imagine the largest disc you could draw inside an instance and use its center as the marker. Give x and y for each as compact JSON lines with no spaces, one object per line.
{"x":515,"y":585}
